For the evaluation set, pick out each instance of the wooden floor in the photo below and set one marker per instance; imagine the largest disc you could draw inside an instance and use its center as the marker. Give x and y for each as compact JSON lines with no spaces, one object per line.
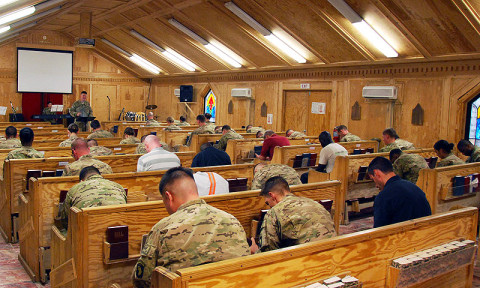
{"x":12,"y":274}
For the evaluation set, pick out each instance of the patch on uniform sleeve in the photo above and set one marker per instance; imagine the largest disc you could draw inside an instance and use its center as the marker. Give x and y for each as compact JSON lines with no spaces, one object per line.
{"x":139,"y":270}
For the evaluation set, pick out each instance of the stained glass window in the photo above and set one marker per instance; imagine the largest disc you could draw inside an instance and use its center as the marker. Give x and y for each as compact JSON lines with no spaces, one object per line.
{"x":474,"y":132}
{"x":211,"y":105}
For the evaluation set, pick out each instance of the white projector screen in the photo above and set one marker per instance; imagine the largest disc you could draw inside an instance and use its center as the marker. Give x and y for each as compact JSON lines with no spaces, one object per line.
{"x":44,"y":71}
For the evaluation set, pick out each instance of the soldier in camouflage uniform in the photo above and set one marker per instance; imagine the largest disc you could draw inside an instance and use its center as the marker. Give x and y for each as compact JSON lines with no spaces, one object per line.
{"x":208,"y":116}
{"x":72,"y":135}
{"x":407,"y":166}
{"x":252,"y":129}
{"x":393,"y":141}
{"x":468,"y":149}
{"x":203,"y":128}
{"x":195,"y":232}
{"x":263,"y":172}
{"x":97,"y":131}
{"x":81,"y":108}
{"x":81,"y":153}
{"x":444,"y":152}
{"x":228,"y":134}
{"x":96,"y":150}
{"x":48,"y":111}
{"x":151,"y":121}
{"x":12,"y":141}
{"x":183,"y":122}
{"x":129,"y":137}
{"x":346,"y":136}
{"x":92,"y":191}
{"x":292,"y":220}
{"x":294,"y":134}
{"x":171,"y":125}
{"x":26,"y":151}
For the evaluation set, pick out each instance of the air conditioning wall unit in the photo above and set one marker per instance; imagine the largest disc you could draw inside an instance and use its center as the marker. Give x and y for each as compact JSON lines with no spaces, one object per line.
{"x":176,"y":92}
{"x":380,"y":92}
{"x":242,"y":92}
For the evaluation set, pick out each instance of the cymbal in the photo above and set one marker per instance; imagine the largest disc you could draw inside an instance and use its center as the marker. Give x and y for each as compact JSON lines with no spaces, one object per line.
{"x":151,"y":107}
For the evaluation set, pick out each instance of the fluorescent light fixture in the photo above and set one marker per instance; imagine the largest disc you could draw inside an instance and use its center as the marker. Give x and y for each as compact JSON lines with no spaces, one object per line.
{"x":364,"y":28}
{"x":144,"y":64}
{"x":375,"y":39}
{"x":6,"y":2}
{"x":170,"y":54}
{"x":4,"y":29}
{"x":35,"y":17}
{"x":17,"y":15}
{"x":48,"y":4}
{"x":116,"y":48}
{"x":214,"y":49}
{"x":265,"y":32}
{"x":15,"y":31}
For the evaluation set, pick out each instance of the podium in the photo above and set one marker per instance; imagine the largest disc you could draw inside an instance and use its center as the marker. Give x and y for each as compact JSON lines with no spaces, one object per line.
{"x":85,"y":120}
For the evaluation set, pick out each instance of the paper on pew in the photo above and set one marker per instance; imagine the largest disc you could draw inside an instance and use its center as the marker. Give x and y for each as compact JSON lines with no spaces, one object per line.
{"x":3,"y":110}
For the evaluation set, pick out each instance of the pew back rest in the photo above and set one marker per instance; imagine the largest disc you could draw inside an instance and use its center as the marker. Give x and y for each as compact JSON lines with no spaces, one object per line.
{"x":200,"y":139}
{"x":239,"y":149}
{"x":286,"y":154}
{"x":436,"y":183}
{"x":310,"y":262}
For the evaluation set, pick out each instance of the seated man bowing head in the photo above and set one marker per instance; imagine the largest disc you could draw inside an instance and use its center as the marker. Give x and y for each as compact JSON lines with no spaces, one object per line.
{"x":292,"y":220}
{"x":195,"y":232}
{"x":83,"y":158}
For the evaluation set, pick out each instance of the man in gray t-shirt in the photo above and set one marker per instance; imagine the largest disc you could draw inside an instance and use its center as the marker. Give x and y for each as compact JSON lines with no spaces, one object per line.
{"x":156,"y":158}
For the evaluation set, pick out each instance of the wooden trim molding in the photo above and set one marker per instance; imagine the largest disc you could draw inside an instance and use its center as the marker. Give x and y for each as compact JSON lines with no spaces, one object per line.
{"x":397,"y":70}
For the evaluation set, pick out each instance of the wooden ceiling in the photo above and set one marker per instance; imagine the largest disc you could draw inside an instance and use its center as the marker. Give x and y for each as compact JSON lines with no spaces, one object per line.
{"x":428,"y":30}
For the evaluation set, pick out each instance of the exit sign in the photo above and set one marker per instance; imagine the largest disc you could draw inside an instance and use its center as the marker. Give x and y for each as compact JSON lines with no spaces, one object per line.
{"x":305,"y":86}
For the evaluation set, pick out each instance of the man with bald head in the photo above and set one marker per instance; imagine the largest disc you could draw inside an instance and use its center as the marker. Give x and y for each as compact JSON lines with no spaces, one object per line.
{"x":195,"y":233}
{"x":81,"y":153}
{"x":151,"y":121}
{"x":156,"y":158}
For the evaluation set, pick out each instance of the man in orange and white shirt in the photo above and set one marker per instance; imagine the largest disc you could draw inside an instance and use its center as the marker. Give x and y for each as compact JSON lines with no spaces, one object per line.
{"x":210,"y":183}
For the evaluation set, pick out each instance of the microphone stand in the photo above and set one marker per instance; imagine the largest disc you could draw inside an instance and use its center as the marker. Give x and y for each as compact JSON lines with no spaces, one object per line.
{"x":14,"y":112}
{"x":108,"y":108}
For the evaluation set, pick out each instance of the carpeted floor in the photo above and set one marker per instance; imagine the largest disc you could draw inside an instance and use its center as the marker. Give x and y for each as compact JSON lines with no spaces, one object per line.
{"x":12,"y":274}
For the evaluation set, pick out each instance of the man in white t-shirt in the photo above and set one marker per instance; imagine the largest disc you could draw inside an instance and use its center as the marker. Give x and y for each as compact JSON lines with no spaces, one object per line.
{"x":327,"y":156}
{"x":210,"y":183}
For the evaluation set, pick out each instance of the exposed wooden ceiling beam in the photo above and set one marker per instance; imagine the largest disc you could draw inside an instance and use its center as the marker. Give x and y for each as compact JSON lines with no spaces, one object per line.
{"x":401,"y":27}
{"x":469,"y":13}
{"x":342,"y":32}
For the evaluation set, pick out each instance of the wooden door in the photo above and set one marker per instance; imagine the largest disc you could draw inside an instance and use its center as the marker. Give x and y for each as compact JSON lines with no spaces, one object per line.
{"x":298,"y":111}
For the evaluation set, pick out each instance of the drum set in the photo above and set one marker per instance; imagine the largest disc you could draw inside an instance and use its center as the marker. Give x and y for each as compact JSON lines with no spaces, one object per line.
{"x":136,"y":116}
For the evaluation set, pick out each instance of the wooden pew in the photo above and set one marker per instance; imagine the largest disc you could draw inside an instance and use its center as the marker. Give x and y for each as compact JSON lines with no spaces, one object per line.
{"x":15,"y":171}
{"x":86,"y":236}
{"x":345,"y":170}
{"x":199,"y":139}
{"x":366,"y":255}
{"x":437,"y":185}
{"x":55,"y":142}
{"x":43,"y":198}
{"x":173,"y":138}
{"x":56,"y":135}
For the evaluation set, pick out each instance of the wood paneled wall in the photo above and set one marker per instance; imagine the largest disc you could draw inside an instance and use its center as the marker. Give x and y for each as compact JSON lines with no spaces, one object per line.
{"x":443,"y":99}
{"x":92,"y":73}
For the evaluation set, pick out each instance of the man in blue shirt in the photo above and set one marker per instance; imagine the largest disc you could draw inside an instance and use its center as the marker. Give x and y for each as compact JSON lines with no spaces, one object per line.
{"x":399,"y":200}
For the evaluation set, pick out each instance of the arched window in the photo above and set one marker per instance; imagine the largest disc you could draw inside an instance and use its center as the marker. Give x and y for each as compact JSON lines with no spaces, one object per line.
{"x":211,"y":105}
{"x":473,"y":121}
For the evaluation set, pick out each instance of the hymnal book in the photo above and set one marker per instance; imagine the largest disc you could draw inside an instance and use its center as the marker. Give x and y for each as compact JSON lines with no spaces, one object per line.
{"x":126,"y":191}
{"x":313,"y":159}
{"x":327,"y":204}
{"x":362,"y":171}
{"x":135,"y":130}
{"x":305,"y":159}
{"x":258,"y":149}
{"x":297,"y":162}
{"x":153,"y":133}
{"x":34,"y":174}
{"x":467,"y":185}
{"x":115,"y":129}
{"x":474,"y":182}
{"x":49,"y":173}
{"x":363,"y":151}
{"x":58,"y":172}
{"x":370,"y":150}
{"x":117,"y":237}
{"x":357,"y":151}
{"x":432,"y":162}
{"x":457,"y":185}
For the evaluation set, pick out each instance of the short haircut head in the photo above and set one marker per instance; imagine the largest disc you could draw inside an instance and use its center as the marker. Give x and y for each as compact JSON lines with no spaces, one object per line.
{"x":341,"y":127}
{"x":249,"y":126}
{"x":464,"y":144}
{"x":259,"y":134}
{"x":268,"y":133}
{"x":205,"y":146}
{"x":182,"y":119}
{"x":143,"y":138}
{"x":150,"y":114}
{"x":288,"y":131}
{"x":208,"y":116}
{"x":391,"y":132}
{"x":201,"y":118}
{"x":325,"y":138}
{"x":26,"y":136}
{"x":92,"y":142}
{"x":275,"y":184}
{"x":49,"y":102}
{"x":380,"y":163}
{"x":129,"y":131}
{"x":10,"y":131}
{"x":73,"y":128}
{"x":79,"y":144}
{"x":226,"y":128}
{"x":87,"y":171}
{"x":444,"y":145}
{"x":170,"y":119}
{"x":171,"y":176}
{"x":84,"y":92}
{"x":95,"y":124}
{"x":395,"y":153}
